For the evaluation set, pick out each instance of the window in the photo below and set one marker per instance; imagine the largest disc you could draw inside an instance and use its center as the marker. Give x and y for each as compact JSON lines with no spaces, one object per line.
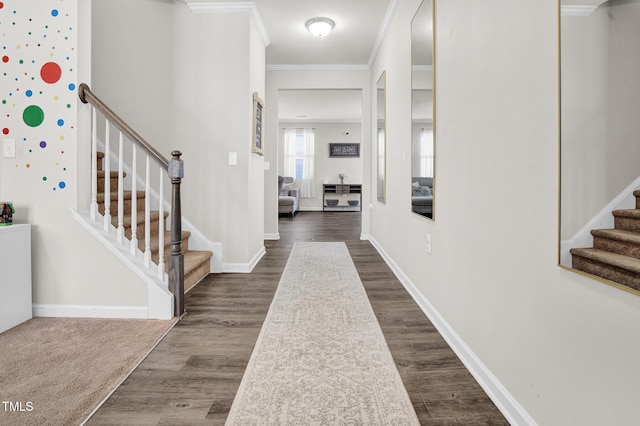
{"x":426,"y":152}
{"x":298,"y":159}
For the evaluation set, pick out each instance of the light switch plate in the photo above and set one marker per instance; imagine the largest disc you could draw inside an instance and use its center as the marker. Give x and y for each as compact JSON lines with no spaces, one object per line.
{"x":233,"y":158}
{"x":9,"y":148}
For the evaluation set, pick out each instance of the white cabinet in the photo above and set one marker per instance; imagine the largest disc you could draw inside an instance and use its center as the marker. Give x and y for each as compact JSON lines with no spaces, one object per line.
{"x":15,"y":275}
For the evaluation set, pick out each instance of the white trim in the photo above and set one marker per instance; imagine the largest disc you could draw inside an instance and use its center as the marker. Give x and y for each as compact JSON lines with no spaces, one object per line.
{"x":365,"y":237}
{"x":89,"y":311}
{"x":233,"y":7}
{"x":311,"y":209}
{"x":336,"y":67}
{"x":384,"y":29}
{"x":244,"y":268}
{"x":272,"y":237}
{"x":577,"y":10}
{"x":506,"y":403}
{"x":602,"y":220}
{"x":159,"y":298}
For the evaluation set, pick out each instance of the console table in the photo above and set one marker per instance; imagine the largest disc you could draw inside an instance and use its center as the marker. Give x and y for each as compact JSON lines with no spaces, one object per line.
{"x":343,"y":192}
{"x":15,"y":275}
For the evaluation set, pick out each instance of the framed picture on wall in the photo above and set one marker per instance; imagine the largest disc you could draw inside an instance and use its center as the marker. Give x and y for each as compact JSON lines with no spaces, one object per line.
{"x":258,"y":132}
{"x":344,"y":150}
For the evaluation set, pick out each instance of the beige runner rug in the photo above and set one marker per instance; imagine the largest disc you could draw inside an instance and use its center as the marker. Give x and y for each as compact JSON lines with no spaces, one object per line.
{"x":321,"y":357}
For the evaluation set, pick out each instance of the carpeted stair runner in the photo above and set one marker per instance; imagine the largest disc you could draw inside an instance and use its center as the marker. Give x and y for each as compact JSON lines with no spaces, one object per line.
{"x":196,"y":262}
{"x":615,"y":255}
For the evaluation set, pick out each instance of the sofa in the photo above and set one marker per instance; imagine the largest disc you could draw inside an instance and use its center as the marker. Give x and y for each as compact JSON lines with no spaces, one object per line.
{"x":288,"y":196}
{"x":422,"y":195}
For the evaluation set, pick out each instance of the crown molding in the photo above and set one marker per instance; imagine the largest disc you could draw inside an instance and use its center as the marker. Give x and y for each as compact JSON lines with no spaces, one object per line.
{"x":233,"y":7}
{"x":577,"y":10}
{"x":384,"y":28}
{"x":317,"y":67}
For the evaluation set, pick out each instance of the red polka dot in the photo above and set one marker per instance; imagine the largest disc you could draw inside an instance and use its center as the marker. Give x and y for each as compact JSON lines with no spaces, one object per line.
{"x":1,"y":5}
{"x":5,"y":131}
{"x":50,"y":72}
{"x":5,"y":59}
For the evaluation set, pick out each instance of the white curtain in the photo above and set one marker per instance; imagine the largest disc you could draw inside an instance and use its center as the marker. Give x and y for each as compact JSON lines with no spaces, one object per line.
{"x":298,"y":159}
{"x":426,"y":152}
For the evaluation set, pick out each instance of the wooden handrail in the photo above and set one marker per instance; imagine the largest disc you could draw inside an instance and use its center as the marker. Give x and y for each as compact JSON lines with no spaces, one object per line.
{"x":87,"y":96}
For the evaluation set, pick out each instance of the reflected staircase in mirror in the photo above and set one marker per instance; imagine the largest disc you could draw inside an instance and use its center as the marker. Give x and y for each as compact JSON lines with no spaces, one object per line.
{"x":615,"y":255}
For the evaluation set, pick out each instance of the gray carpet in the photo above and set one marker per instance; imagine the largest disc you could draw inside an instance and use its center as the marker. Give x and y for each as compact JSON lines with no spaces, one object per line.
{"x":321,"y":357}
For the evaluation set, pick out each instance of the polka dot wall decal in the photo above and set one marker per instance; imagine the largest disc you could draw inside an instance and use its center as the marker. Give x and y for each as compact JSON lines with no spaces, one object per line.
{"x":72,"y":86}
{"x":61,"y":122}
{"x":33,"y":116}
{"x":50,"y":72}
{"x":5,"y":59}
{"x":29,"y":93}
{"x":44,"y":178}
{"x":62,"y":185}
{"x":54,"y":12}
{"x":5,"y":131}
{"x":43,"y":144}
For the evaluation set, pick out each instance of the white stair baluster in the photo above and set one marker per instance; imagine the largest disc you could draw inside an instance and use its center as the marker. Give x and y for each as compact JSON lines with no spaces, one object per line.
{"x":161,"y":228}
{"x":134,"y":203}
{"x":120,"y":234}
{"x":107,"y":178}
{"x":93,"y":204}
{"x":147,"y":218}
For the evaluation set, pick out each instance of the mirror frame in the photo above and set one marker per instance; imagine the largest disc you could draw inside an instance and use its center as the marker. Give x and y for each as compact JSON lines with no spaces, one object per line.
{"x":564,"y":246}
{"x":381,"y":137}
{"x":414,"y":137}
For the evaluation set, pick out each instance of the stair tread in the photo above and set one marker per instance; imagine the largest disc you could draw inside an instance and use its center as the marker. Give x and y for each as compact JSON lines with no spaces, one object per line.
{"x":113,"y":173}
{"x":126,"y":220}
{"x":618,"y":260}
{"x":155,"y":242}
{"x":631,"y":213}
{"x":193,"y":258}
{"x":127,"y":195}
{"x":618,"y":235}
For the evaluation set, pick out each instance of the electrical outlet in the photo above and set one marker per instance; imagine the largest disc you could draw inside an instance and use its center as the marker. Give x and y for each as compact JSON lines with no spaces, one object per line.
{"x":428,"y":245}
{"x":9,"y":148}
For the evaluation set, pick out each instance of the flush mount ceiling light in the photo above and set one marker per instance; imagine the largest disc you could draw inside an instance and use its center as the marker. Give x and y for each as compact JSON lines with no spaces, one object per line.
{"x":320,"y":27}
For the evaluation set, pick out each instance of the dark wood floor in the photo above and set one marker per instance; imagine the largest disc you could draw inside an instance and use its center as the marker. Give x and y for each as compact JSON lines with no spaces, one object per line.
{"x":192,"y":376}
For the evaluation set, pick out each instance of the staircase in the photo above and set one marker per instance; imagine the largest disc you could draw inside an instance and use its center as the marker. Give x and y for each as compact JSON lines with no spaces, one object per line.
{"x":123,"y":218}
{"x":196,"y":262}
{"x":615,"y":255}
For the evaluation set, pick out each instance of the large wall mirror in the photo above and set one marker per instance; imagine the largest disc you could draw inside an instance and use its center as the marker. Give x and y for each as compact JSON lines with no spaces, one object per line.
{"x":381,"y":137}
{"x":600,"y":140}
{"x":422,"y":111}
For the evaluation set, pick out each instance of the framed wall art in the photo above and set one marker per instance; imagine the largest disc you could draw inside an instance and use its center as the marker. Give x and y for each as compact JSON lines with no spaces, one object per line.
{"x":344,"y":150}
{"x":258,"y":132}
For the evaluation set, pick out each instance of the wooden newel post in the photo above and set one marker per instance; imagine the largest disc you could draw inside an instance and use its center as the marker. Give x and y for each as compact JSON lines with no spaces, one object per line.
{"x":176,"y":258}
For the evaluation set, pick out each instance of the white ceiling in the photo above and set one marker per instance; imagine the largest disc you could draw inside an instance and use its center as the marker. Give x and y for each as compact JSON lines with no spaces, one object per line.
{"x":320,"y":105}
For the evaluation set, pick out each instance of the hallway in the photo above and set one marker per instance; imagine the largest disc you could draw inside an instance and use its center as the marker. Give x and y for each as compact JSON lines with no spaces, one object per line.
{"x":192,"y":376}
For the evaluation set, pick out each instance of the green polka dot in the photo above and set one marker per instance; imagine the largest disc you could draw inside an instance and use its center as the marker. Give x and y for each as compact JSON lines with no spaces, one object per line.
{"x":33,"y":116}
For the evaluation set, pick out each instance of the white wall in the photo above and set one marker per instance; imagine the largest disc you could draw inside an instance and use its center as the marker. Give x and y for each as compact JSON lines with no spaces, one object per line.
{"x":44,"y":180}
{"x":284,"y":79}
{"x":188,"y":84}
{"x":327,"y":168}
{"x":564,"y":346}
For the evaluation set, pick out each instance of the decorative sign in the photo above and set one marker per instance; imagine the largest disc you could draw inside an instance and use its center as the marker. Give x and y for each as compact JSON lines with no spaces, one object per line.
{"x":344,"y":150}
{"x":258,"y":107}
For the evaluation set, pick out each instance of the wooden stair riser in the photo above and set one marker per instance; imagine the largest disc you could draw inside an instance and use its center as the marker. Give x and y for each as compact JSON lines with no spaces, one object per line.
{"x":609,"y":272}
{"x":615,"y":246}
{"x":126,"y":204}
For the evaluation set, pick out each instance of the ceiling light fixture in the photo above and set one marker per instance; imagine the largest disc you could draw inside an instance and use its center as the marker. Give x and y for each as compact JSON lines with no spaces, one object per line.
{"x":320,"y":27}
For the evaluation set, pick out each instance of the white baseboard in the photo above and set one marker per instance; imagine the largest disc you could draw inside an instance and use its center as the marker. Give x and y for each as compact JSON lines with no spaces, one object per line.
{"x":244,"y":268}
{"x":88,"y":311}
{"x":506,"y":403}
{"x":272,"y":237}
{"x":310,"y":209}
